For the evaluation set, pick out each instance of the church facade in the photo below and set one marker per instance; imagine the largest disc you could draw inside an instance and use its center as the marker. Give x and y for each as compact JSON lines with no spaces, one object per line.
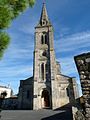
{"x":48,"y":88}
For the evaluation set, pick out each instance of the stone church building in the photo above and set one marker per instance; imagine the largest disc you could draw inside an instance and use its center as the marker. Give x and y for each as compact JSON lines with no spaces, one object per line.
{"x":48,"y":87}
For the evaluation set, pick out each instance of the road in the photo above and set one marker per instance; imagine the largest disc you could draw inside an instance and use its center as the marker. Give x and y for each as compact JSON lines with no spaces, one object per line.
{"x":35,"y":115}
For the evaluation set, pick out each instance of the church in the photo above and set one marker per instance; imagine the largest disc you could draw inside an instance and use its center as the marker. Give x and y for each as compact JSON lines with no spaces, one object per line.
{"x":48,"y":87}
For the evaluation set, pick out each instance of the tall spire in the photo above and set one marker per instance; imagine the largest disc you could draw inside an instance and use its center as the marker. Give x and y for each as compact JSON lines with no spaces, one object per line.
{"x":44,"y":20}
{"x":44,"y":15}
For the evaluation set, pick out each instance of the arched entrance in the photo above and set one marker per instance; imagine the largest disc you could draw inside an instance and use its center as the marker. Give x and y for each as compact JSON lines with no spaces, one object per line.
{"x":46,"y":98}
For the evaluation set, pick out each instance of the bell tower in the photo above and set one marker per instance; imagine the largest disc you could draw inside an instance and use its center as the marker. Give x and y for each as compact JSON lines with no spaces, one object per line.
{"x":44,"y":63}
{"x":48,"y":87}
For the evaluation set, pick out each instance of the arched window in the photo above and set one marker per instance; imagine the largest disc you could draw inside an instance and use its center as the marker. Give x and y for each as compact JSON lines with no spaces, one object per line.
{"x":45,"y":39}
{"x":42,"y":39}
{"x":42,"y":71}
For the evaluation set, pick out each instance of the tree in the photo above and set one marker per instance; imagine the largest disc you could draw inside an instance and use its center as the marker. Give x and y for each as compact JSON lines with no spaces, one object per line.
{"x":3,"y":94}
{"x":9,"y":10}
{"x":2,"y":97}
{"x":4,"y":41}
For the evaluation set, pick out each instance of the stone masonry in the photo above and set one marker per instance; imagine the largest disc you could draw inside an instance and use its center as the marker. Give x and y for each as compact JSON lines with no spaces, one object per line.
{"x":48,"y":87}
{"x":83,"y":66}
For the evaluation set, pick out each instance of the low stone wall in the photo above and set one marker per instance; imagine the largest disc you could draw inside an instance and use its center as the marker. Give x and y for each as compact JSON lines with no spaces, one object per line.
{"x":83,"y":66}
{"x":77,"y":114}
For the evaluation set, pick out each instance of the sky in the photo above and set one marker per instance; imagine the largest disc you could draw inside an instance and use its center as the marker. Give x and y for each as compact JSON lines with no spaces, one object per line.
{"x":71,"y":22}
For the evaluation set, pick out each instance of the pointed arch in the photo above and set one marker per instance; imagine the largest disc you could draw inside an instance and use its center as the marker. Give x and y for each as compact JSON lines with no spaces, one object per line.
{"x":45,"y":39}
{"x":42,"y":39}
{"x":46,"y":96}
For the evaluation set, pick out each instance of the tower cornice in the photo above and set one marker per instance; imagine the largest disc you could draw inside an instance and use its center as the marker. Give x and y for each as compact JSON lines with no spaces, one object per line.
{"x":39,"y":26}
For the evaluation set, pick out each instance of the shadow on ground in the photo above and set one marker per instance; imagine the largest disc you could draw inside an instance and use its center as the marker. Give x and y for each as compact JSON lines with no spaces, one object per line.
{"x":65,"y":113}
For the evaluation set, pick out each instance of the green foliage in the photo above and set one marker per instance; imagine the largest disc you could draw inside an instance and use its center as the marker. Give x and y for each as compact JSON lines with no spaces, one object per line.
{"x":19,"y":6}
{"x":5,"y":17}
{"x":9,"y":10}
{"x":4,"y":41}
{"x":31,"y":2}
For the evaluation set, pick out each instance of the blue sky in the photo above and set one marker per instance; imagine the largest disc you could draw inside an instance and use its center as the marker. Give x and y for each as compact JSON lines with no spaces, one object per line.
{"x":71,"y":22}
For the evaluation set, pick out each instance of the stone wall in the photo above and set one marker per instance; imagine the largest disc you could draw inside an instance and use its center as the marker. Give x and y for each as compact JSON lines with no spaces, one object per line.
{"x":83,"y":66}
{"x":25,"y":97}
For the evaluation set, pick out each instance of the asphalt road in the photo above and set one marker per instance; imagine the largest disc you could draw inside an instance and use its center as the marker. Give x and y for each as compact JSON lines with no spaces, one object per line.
{"x":35,"y":115}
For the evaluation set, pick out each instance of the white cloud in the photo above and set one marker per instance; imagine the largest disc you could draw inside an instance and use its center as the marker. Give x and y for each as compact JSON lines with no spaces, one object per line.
{"x":20,"y":48}
{"x":21,"y":53}
{"x":67,"y":65}
{"x":14,"y":71}
{"x":28,"y":27}
{"x":69,"y":46}
{"x":73,"y":42}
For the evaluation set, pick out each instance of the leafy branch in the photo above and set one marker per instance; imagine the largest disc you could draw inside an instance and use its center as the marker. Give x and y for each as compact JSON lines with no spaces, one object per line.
{"x":9,"y":10}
